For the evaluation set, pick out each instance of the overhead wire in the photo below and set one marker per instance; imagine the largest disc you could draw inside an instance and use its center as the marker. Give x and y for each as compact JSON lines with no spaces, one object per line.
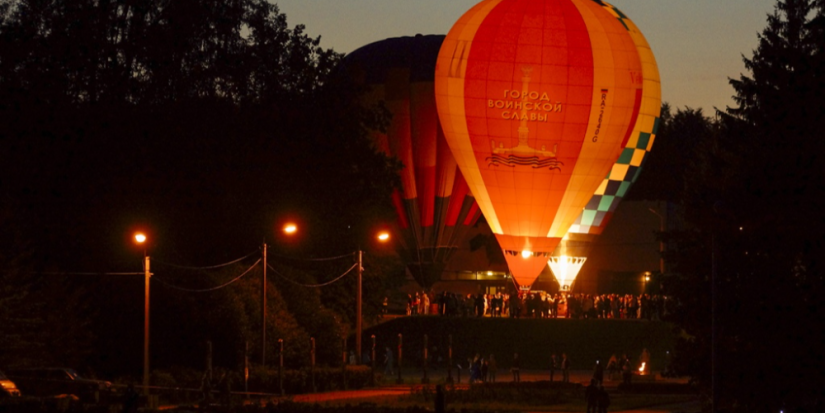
{"x":91,"y":273}
{"x":312,"y":285}
{"x":170,"y":285}
{"x":211,"y":267}
{"x":192,"y":290}
{"x":313,"y":259}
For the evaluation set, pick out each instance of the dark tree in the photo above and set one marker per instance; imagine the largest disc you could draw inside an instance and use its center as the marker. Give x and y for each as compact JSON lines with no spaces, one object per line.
{"x":193,"y":118}
{"x":753,"y":247}
{"x":44,"y":319}
{"x":206,"y":122}
{"x":679,"y":140}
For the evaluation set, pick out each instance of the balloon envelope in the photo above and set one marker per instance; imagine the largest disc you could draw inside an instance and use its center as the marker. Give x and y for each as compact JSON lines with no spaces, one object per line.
{"x":435,"y":207}
{"x":537,"y":99}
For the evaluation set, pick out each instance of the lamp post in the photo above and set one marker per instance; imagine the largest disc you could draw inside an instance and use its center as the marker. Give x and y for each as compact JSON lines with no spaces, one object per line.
{"x":382,"y":236}
{"x":263,"y":310}
{"x":288,"y":229}
{"x":358,"y":304}
{"x":661,"y":241}
{"x":140,"y":238}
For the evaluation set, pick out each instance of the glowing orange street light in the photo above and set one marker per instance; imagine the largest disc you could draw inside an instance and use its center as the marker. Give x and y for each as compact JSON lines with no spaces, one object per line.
{"x":290,"y":229}
{"x":382,"y":236}
{"x":646,"y":279}
{"x":141,"y":238}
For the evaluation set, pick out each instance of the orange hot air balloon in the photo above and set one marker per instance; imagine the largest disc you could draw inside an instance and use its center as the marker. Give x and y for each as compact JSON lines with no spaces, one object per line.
{"x":435,"y":207}
{"x":537,"y":99}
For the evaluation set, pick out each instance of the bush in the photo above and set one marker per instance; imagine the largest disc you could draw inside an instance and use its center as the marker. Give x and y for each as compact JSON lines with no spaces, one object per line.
{"x":163,"y":379}
{"x":300,"y":381}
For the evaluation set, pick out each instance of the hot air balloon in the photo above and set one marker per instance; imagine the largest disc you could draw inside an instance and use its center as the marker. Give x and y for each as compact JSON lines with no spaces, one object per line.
{"x":571,"y":254}
{"x":435,"y":207}
{"x":537,"y":99}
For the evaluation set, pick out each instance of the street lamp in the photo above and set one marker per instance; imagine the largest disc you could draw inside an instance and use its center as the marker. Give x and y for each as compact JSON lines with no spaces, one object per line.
{"x":290,"y":228}
{"x":646,"y":279}
{"x":140,"y":238}
{"x":382,"y":236}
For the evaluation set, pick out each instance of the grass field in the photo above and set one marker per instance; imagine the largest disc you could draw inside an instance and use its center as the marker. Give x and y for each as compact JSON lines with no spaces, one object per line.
{"x":534,"y":339}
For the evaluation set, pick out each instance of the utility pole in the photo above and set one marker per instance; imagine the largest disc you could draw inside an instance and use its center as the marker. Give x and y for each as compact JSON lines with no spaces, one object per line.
{"x":147,"y":274}
{"x":263,"y":311}
{"x":358,"y":304}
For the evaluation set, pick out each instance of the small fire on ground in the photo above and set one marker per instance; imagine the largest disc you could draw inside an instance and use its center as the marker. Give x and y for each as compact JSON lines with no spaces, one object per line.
{"x":642,"y":369}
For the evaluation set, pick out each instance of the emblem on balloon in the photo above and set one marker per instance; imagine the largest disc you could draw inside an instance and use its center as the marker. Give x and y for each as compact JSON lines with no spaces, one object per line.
{"x":523,"y":154}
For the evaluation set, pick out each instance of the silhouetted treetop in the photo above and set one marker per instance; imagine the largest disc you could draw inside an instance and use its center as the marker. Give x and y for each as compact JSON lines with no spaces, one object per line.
{"x":149,"y":51}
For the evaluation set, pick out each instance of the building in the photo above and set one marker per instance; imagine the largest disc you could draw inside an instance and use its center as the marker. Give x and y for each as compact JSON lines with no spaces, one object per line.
{"x":618,"y":262}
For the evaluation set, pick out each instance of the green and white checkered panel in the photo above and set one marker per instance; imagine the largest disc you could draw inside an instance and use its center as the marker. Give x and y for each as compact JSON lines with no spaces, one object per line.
{"x":624,"y":173}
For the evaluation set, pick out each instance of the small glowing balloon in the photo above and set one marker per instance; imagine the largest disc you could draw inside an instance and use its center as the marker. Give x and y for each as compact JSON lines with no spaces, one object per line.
{"x":140,"y":238}
{"x":566,"y":269}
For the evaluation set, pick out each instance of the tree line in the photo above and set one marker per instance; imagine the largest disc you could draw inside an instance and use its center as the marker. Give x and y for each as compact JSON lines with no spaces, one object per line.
{"x":206,"y":124}
{"x":746,"y":259}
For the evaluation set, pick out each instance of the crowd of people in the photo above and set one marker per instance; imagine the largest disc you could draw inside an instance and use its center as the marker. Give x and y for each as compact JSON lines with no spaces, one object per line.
{"x":485,"y":370}
{"x":540,"y":305}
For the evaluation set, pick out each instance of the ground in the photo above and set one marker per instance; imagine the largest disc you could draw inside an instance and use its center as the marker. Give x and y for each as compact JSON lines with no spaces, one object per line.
{"x":395,"y":394}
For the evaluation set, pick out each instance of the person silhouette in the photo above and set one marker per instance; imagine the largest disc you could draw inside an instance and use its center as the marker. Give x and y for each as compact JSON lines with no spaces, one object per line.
{"x":515,"y":368}
{"x":388,"y":362}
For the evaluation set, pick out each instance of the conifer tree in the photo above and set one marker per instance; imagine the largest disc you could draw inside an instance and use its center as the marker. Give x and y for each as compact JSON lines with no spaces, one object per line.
{"x":749,"y":270}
